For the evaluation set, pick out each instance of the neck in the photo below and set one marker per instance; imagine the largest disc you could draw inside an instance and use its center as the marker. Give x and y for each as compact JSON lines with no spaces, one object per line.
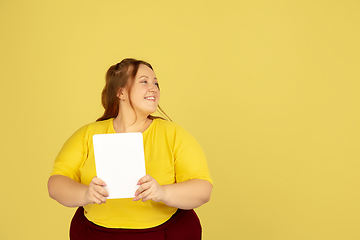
{"x":131,"y":123}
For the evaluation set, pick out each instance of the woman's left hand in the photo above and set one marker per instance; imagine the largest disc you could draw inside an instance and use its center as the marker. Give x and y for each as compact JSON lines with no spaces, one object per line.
{"x":149,"y":190}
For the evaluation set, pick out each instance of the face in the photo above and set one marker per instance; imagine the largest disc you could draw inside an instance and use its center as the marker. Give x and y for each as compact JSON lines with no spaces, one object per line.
{"x":145,"y":94}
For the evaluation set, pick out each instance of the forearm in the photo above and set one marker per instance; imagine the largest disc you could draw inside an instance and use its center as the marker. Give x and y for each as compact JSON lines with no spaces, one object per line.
{"x":187,"y":195}
{"x":67,"y":191}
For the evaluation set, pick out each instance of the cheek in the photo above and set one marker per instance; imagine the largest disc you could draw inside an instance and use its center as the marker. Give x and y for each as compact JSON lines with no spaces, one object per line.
{"x":137,"y":95}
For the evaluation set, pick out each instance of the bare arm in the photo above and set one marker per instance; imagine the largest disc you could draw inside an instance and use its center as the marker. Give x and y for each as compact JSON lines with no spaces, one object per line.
{"x":70,"y":193}
{"x":185,"y":195}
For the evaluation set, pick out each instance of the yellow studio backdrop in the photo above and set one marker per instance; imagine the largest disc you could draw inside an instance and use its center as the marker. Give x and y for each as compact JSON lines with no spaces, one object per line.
{"x":270,"y":89}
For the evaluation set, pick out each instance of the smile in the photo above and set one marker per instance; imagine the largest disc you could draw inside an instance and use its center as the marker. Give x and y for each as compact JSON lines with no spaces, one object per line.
{"x":150,"y":98}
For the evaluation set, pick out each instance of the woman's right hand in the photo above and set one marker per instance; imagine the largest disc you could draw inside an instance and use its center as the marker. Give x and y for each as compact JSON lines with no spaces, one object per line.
{"x":95,"y":192}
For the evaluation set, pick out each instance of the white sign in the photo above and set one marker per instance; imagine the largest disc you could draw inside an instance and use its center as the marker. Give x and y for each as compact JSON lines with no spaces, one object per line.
{"x":120,"y":162}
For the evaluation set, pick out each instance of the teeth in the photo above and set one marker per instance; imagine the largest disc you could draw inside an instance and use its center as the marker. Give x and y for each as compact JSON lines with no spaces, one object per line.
{"x":149,"y":98}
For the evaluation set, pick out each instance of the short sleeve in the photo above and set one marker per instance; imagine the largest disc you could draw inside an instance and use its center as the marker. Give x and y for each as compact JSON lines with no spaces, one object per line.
{"x":72,"y":155}
{"x":190,"y":160}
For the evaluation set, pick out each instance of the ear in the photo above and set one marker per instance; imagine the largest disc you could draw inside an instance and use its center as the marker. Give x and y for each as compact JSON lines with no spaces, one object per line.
{"x":120,"y":92}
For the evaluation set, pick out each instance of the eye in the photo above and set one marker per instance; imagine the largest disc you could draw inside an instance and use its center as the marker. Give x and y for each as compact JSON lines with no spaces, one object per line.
{"x":143,"y":81}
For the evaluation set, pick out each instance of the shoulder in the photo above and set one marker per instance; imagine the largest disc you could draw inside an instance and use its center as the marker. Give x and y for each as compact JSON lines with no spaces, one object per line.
{"x":170,"y":129}
{"x":100,"y":125}
{"x":94,"y":128}
{"x":167,"y":125}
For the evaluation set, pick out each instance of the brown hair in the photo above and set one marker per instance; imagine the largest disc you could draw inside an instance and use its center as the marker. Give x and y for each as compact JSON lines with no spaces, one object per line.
{"x":119,"y":76}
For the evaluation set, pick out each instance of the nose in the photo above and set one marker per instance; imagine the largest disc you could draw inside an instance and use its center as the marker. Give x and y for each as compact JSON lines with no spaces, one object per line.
{"x":153,"y":89}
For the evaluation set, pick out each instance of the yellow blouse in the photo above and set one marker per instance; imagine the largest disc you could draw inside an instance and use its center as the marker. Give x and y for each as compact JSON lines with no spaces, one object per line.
{"x":171,"y":156}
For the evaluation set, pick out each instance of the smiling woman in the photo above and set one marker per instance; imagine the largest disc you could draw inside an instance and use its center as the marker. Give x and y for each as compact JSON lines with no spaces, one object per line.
{"x":177,"y":179}
{"x":143,"y":96}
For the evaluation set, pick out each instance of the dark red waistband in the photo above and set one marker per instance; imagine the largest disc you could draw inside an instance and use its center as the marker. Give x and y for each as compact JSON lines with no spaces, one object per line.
{"x":166,"y":224}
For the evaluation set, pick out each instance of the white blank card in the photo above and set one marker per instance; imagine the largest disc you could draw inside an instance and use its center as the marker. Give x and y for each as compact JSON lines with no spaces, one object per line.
{"x":120,"y":162}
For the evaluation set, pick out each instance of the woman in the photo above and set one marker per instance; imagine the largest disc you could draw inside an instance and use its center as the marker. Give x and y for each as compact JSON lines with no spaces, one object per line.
{"x":177,"y":177}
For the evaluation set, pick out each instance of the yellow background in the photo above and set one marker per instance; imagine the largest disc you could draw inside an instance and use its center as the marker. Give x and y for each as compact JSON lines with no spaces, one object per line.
{"x":270,"y":89}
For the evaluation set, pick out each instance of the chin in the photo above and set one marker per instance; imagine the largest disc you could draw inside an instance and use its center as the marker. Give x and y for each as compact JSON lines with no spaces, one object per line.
{"x":147,"y":113}
{"x":152,"y":112}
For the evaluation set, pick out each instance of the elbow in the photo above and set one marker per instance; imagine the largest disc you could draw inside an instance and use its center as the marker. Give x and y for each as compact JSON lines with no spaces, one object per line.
{"x":206,"y":199}
{"x":50,"y":189}
{"x":207,"y":196}
{"x":200,"y":201}
{"x":53,"y":187}
{"x":207,"y":189}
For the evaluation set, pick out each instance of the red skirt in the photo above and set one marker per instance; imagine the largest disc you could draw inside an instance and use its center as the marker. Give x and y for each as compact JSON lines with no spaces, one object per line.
{"x":184,"y":224}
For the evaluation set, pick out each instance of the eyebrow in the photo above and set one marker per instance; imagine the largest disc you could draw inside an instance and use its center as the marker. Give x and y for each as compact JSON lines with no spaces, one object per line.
{"x":146,"y":77}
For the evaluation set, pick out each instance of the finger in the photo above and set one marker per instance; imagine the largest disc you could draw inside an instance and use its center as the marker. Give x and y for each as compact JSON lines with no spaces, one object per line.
{"x":98,"y":181}
{"x":99,"y":198}
{"x":96,"y":200}
{"x":93,"y":198}
{"x":101,"y":191}
{"x":147,"y":197}
{"x":144,"y":179}
{"x":142,"y":195}
{"x":143,"y":188}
